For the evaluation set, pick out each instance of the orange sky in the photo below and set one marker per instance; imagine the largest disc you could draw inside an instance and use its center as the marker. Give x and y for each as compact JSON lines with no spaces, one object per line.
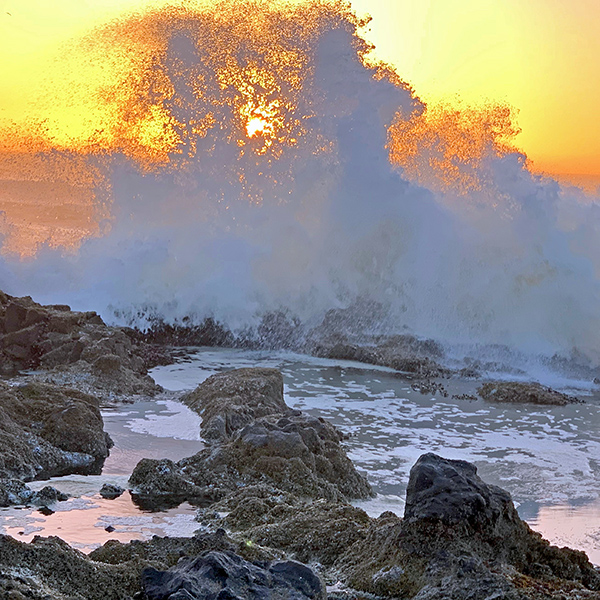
{"x":541,"y":56}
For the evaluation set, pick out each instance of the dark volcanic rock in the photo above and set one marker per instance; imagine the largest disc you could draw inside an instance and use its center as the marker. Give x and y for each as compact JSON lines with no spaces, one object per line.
{"x":462,"y":538}
{"x":158,"y":484}
{"x":450,"y":491}
{"x":14,"y":492}
{"x":520,"y":393}
{"x":78,"y":347}
{"x":227,"y":576}
{"x":46,"y":431}
{"x":229,"y":401}
{"x":208,"y":333}
{"x":110,"y":491}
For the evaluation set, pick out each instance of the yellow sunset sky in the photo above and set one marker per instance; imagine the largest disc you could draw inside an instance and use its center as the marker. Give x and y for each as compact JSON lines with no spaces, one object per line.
{"x":540,"y":56}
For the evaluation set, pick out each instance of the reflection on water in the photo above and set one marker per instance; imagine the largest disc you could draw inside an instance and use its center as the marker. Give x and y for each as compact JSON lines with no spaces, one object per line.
{"x":157,"y":429}
{"x":548,"y":458}
{"x":152,"y":429}
{"x":573,"y":525}
{"x":83,"y":522}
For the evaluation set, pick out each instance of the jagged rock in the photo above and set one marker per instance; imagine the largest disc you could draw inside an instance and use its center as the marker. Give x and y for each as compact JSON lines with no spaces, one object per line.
{"x":301,"y":455}
{"x":46,"y":430}
{"x":460,"y":539}
{"x":15,"y":492}
{"x":520,"y":393}
{"x":110,"y":492}
{"x":208,"y":333}
{"x":294,"y":452}
{"x":227,"y":576}
{"x":76,"y":347}
{"x":161,"y":483}
{"x":48,"y":495}
{"x":229,"y":401}
{"x":450,"y":491}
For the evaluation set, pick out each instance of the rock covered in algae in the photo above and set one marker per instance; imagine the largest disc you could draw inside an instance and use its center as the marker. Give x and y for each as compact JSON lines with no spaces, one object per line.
{"x":47,"y":430}
{"x":229,"y":401}
{"x":259,"y":439}
{"x":520,"y":393}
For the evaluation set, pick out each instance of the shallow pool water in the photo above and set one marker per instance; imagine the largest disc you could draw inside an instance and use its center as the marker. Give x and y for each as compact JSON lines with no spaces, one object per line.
{"x":547,"y":457}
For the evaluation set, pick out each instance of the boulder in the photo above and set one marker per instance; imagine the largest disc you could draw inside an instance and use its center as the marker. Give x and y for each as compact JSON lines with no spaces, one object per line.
{"x":521,"y":393}
{"x":158,"y":484}
{"x":110,"y":492}
{"x":47,"y":430}
{"x":461,"y":538}
{"x":229,"y":401}
{"x":451,"y":492}
{"x":14,"y":492}
{"x":227,"y":576}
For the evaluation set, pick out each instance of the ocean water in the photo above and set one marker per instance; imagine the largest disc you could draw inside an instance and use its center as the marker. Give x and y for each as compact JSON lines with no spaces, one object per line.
{"x":548,"y":458}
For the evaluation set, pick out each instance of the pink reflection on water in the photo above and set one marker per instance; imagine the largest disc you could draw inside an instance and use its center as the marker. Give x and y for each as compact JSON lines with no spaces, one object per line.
{"x":577,"y":527}
{"x":82,"y":522}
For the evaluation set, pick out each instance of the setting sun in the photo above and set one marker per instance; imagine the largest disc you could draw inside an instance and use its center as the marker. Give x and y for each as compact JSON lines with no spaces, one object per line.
{"x":256,"y":126}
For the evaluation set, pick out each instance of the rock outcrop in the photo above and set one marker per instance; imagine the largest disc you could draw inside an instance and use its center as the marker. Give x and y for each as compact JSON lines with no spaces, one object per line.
{"x":47,"y":431}
{"x":229,"y":401}
{"x":110,"y":491}
{"x":521,"y":393}
{"x":343,"y":336}
{"x":77,"y":348}
{"x":308,"y":531}
{"x":256,"y":439}
{"x":15,"y":492}
{"x":462,"y":538}
{"x":204,"y":566}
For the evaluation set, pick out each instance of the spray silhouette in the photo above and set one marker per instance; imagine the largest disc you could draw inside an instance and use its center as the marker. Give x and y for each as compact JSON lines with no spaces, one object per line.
{"x":250,"y":159}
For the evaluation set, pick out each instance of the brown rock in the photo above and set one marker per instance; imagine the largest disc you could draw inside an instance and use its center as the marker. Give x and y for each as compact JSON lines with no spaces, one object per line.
{"x":229,"y":401}
{"x":521,"y":393}
{"x":47,"y":430}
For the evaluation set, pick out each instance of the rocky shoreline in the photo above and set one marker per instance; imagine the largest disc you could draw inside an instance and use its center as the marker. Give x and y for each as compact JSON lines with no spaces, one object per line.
{"x":273,"y":485}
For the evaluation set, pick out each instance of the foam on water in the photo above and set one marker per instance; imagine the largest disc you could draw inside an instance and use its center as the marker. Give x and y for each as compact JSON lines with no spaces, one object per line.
{"x":547,"y":458}
{"x":175,"y":421}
